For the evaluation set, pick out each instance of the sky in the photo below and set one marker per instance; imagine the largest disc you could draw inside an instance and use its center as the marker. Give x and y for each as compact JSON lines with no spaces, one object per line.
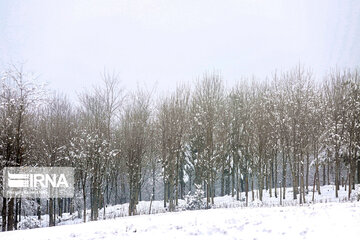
{"x":161,"y":43}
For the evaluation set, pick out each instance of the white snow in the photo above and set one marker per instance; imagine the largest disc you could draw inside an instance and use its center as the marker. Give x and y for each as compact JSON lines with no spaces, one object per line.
{"x":328,"y":218}
{"x":318,"y":221}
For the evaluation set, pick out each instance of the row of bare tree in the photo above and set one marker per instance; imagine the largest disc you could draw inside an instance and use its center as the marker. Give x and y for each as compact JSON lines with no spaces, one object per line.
{"x":255,"y":136}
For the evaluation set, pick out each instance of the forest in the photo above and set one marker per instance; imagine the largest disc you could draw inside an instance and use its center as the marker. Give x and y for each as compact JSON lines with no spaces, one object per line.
{"x":293,"y":128}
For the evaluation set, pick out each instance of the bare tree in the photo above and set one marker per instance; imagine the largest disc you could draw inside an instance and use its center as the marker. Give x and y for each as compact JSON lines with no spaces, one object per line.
{"x":172,"y":120}
{"x":134,"y":125}
{"x":206,"y":103}
{"x":19,"y":97}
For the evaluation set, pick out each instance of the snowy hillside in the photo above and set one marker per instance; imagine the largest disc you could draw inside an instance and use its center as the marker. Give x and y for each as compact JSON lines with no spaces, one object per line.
{"x":270,"y":205}
{"x":318,"y":221}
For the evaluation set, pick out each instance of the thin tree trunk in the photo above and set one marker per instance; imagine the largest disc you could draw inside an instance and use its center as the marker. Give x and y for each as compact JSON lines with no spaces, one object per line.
{"x":307,"y":172}
{"x":247,"y":189}
{"x":84,"y":200}
{"x":276,"y":176}
{"x":318,"y":178}
{"x":358,"y":172}
{"x":271,"y":178}
{"x":252,"y":188}
{"x":232,"y":181}
{"x":153,"y":184}
{"x":349,"y":176}
{"x":284,"y":174}
{"x":222,"y":192}
{"x":38,"y":212}
{"x":302,"y":183}
{"x":10,"y":219}
{"x":315,"y":175}
{"x":177,"y":181}
{"x":16,"y":213}
{"x":208,"y":192}
{"x":212,"y":187}
{"x":337,"y":173}
{"x":165,"y":192}
{"x":237,"y":185}
{"x":51,"y":213}
{"x":324,"y":174}
{"x":3,"y":215}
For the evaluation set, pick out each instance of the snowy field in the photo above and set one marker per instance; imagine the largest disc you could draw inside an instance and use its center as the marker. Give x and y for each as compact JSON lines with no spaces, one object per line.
{"x":327,"y":218}
{"x":121,"y":210}
{"x":318,"y":221}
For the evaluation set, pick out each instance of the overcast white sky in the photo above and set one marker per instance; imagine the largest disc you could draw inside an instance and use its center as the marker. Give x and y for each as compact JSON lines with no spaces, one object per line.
{"x":69,"y":42}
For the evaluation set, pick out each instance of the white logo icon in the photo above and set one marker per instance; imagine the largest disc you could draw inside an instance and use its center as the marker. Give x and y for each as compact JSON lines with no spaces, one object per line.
{"x":18,"y":180}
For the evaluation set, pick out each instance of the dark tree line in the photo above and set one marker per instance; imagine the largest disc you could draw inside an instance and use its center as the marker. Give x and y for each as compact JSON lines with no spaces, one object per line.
{"x":290,"y":130}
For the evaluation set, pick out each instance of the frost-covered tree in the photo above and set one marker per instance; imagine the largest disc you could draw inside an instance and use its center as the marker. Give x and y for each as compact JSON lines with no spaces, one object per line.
{"x":19,"y":98}
{"x":207,"y":101}
{"x":335,"y":92}
{"x":172,"y":121}
{"x":134,"y":127}
{"x":55,"y":129}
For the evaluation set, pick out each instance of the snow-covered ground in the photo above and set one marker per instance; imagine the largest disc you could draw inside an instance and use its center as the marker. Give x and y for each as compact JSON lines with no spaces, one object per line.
{"x":229,"y":218}
{"x":121,"y":210}
{"x":318,"y":221}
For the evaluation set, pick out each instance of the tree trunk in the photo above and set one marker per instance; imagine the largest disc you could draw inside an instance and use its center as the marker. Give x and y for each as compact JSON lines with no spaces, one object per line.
{"x":318,"y":178}
{"x":10,"y":219}
{"x":16,"y":214}
{"x":4,"y":215}
{"x":177,"y":181}
{"x":237,"y":185}
{"x":277,"y":185}
{"x":51,"y":213}
{"x":116,"y":190}
{"x":54,"y":217}
{"x":222,"y":192}
{"x":349,"y":176}
{"x":307,"y":172}
{"x":284,"y":174}
{"x":247,"y":188}
{"x":182,"y":182}
{"x":84,"y":200}
{"x":328,"y":173}
{"x":302,"y":183}
{"x":324,"y":174}
{"x":227,"y":184}
{"x":38,"y":212}
{"x":315,"y":175}
{"x":271,"y":178}
{"x":252,"y":188}
{"x":337,"y":175}
{"x":232,"y":181}
{"x":153,"y":184}
{"x":171,"y":199}
{"x":208,"y":191}
{"x":165,"y":192}
{"x":213,"y":187}
{"x":358,"y":171}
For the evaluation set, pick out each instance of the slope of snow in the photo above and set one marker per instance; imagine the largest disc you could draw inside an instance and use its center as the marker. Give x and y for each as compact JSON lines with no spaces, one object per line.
{"x":318,"y":221}
{"x":121,"y":210}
